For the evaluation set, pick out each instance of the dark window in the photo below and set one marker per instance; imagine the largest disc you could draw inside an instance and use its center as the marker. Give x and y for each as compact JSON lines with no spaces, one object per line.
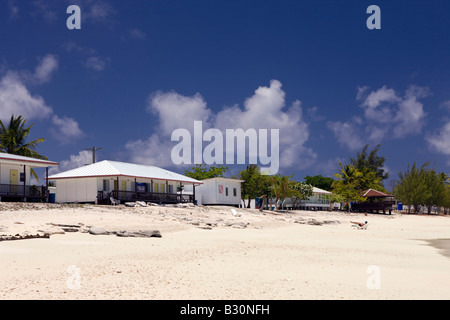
{"x":105,"y":185}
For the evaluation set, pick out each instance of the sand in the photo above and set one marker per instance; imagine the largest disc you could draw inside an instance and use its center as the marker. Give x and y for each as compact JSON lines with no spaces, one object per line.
{"x":252,"y":256}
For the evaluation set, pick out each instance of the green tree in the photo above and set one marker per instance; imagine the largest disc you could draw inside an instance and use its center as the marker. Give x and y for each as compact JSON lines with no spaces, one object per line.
{"x":318,"y":181}
{"x":254,"y":185}
{"x":435,"y":189}
{"x":349,"y":183}
{"x":366,"y":162}
{"x":201,"y":172}
{"x":422,"y":187}
{"x":300,"y":191}
{"x":410,"y":189}
{"x":13,"y":140}
{"x":334,"y":197}
{"x":282,"y":188}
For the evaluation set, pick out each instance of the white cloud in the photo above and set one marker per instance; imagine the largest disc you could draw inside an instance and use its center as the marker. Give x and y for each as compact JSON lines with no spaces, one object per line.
{"x":410,"y":115}
{"x":74,"y":161}
{"x":347,"y":134}
{"x":46,"y":67}
{"x":385,"y":114}
{"x":174,"y":111}
{"x":97,"y":63}
{"x":154,"y":150}
{"x":401,"y":115}
{"x":95,"y":10}
{"x":440,"y":141}
{"x":15,"y":98}
{"x":265,"y":109}
{"x":65,"y":129}
{"x":177,"y":111}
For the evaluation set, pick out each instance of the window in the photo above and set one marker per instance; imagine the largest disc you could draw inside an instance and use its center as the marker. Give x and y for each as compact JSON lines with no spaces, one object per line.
{"x":226,"y":191}
{"x":170,"y":188}
{"x":163,"y":188}
{"x":105,"y":185}
{"x":234,"y":192}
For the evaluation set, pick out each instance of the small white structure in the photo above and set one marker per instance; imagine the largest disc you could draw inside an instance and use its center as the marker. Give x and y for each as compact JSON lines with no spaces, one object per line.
{"x":105,"y":180}
{"x":219,"y":191}
{"x":15,"y":182}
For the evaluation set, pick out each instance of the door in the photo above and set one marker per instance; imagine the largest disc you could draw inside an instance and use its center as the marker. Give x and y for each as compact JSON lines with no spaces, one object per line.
{"x":124,"y":188}
{"x":14,"y":180}
{"x":116,"y":188}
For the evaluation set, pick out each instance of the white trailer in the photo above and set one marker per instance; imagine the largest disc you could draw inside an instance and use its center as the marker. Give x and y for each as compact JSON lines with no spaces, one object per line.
{"x":219,"y":191}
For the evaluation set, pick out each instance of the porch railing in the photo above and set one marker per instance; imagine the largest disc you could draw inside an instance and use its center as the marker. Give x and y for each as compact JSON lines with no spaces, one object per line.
{"x":371,"y":206}
{"x":103,"y":197}
{"x":18,"y":190}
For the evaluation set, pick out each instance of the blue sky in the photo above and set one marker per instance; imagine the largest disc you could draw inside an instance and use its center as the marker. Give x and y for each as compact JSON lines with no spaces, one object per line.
{"x":137,"y":70}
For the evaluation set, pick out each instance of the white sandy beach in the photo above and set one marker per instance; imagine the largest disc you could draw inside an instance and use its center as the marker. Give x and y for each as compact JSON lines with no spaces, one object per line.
{"x":273,"y":257}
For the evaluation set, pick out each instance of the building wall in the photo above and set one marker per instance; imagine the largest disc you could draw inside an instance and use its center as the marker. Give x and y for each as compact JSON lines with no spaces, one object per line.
{"x":86,"y":189}
{"x":76,"y":190}
{"x":5,"y":171}
{"x":214,"y":192}
{"x":158,"y":185}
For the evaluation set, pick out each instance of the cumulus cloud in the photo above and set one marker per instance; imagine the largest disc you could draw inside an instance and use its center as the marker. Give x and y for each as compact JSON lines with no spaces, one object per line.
{"x":98,"y":11}
{"x":177,"y":111}
{"x":16,"y":98}
{"x":347,"y":134}
{"x":74,"y":161}
{"x":46,"y":67}
{"x":154,"y":150}
{"x":173,"y":111}
{"x":265,"y":109}
{"x":440,"y":140}
{"x":65,"y":129}
{"x":386,"y":113}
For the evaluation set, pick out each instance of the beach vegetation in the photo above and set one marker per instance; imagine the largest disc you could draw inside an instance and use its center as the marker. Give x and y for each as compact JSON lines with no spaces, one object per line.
{"x":363,"y":172}
{"x":370,"y":162}
{"x":13,"y":140}
{"x":202,"y":172}
{"x":255,"y":184}
{"x":422,"y":187}
{"x":319,"y":181}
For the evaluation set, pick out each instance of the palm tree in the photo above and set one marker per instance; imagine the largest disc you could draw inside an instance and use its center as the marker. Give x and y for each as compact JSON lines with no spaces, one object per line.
{"x":349,"y":183}
{"x":13,"y":140}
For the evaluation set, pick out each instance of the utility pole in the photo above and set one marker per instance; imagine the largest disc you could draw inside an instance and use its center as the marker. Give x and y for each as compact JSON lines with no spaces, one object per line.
{"x":93,"y":149}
